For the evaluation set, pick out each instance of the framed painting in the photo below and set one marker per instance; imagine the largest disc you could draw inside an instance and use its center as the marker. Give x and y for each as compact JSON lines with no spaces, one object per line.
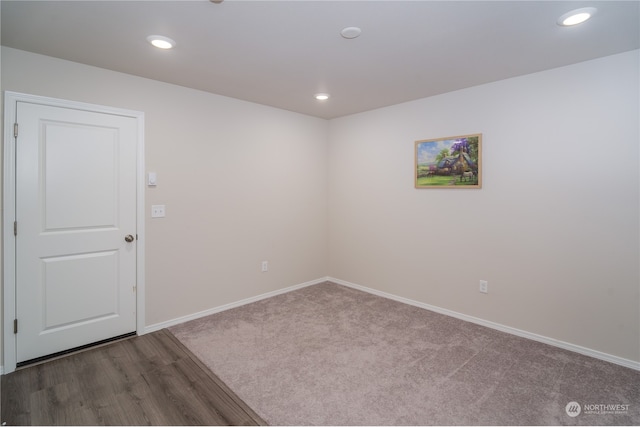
{"x":451,"y":162}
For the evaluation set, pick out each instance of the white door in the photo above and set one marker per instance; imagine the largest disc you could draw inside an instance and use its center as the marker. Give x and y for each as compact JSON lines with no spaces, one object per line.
{"x":76,"y":228}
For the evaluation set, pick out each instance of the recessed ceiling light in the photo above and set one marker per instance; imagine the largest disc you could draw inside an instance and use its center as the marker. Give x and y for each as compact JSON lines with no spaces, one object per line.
{"x":350,"y":32}
{"x":161,"y":42}
{"x":577,"y":16}
{"x":321,"y":96}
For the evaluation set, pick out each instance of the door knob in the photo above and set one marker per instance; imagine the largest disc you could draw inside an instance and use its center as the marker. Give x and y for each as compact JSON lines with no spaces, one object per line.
{"x":128,"y":238}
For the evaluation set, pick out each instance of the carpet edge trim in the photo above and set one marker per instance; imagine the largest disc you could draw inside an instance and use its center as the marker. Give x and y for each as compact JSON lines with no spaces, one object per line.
{"x":230,"y":394}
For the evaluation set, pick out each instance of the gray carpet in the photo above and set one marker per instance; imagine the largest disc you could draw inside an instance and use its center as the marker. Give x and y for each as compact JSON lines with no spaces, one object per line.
{"x":331,"y":355}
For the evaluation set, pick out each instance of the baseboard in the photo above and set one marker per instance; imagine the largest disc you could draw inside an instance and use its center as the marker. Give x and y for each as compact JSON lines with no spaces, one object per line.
{"x":179,"y":320}
{"x":497,"y":326}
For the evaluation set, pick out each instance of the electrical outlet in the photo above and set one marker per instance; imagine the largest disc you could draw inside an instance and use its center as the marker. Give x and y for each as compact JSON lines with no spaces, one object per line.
{"x":484,"y":286}
{"x":265,"y":266}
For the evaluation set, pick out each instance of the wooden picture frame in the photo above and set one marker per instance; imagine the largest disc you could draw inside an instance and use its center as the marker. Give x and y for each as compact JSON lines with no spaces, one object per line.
{"x":451,"y":162}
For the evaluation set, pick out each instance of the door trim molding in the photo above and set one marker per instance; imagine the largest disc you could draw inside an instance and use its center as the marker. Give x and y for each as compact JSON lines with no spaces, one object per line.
{"x":9,"y":213}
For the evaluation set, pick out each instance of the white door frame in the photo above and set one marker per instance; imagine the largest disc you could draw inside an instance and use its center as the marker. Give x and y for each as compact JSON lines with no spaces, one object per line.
{"x":9,"y":212}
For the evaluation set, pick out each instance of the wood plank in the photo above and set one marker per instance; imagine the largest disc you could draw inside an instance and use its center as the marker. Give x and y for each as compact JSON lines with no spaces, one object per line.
{"x":148,"y":380}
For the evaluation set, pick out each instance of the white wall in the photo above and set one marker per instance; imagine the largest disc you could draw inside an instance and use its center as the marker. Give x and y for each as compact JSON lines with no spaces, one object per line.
{"x":241,"y":182}
{"x":555,"y":228}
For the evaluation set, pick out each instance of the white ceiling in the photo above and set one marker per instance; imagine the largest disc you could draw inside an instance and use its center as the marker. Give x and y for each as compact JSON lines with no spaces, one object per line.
{"x":280,"y":53}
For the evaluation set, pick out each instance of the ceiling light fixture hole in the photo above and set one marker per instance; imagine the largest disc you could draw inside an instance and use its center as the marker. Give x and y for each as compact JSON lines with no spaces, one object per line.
{"x":576,"y":16}
{"x":161,"y":42}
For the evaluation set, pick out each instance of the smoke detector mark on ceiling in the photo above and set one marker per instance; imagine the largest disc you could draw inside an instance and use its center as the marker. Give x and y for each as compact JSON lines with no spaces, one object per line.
{"x":350,"y":32}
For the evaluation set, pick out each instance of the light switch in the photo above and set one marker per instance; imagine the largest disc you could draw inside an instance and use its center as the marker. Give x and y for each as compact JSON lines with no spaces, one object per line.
{"x":157,"y":211}
{"x":153,"y":179}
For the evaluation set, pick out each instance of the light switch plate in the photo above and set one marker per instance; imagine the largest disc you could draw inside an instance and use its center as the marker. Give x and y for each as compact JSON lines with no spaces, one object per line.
{"x":157,"y":211}
{"x":153,"y":179}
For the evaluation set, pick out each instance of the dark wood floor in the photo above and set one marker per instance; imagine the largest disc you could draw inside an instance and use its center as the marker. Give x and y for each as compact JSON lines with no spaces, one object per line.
{"x":148,"y":380}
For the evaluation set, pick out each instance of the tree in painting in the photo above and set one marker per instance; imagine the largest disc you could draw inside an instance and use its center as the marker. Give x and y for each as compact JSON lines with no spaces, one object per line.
{"x":448,"y":162}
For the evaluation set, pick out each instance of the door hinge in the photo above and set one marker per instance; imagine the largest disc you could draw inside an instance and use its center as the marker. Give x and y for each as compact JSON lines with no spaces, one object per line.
{"x":15,"y":326}
{"x":15,"y":130}
{"x":15,"y":228}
